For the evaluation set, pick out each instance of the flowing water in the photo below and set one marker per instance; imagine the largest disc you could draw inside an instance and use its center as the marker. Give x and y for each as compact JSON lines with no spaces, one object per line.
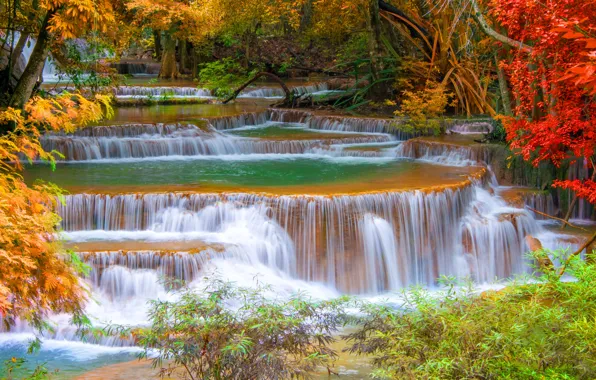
{"x":325,"y":204}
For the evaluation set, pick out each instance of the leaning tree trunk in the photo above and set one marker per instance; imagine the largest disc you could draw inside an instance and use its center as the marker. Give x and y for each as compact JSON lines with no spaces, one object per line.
{"x":34,"y":68}
{"x":487,"y":29}
{"x":274,"y":77}
{"x":18,"y":50}
{"x":168,"y":63}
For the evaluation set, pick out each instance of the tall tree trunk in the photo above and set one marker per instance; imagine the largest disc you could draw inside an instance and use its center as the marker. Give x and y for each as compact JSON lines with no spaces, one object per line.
{"x":34,"y":68}
{"x":247,"y":41}
{"x":168,"y":63}
{"x":373,"y":26}
{"x":306,"y":17}
{"x":504,"y":88}
{"x":195,"y":61}
{"x":157,"y":43}
{"x":183,"y":56}
{"x":18,"y":50}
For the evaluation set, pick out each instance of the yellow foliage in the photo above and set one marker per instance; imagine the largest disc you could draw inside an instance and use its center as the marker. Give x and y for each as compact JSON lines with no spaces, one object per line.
{"x":37,"y":275}
{"x":72,"y":18}
{"x":424,"y":107}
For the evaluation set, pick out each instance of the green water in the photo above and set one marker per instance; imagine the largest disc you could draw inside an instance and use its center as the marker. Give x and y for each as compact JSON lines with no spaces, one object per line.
{"x":64,"y":360}
{"x":275,"y":130}
{"x":286,"y":132}
{"x":217,"y":172}
{"x":180,"y":112}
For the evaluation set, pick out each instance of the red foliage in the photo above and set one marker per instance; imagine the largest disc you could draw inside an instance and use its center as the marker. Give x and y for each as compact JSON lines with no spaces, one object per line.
{"x":555,"y":84}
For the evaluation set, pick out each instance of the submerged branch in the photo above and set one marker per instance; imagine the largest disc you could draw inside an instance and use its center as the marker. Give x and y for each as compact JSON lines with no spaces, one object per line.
{"x":565,"y":222}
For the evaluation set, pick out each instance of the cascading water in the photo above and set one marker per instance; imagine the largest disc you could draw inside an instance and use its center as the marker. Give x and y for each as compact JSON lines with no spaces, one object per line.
{"x":156,"y":92}
{"x":276,"y":92}
{"x":145,"y":141}
{"x":361,"y":243}
{"x":429,"y":233}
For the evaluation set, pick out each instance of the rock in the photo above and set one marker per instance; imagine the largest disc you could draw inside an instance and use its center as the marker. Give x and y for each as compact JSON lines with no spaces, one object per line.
{"x":533,"y":243}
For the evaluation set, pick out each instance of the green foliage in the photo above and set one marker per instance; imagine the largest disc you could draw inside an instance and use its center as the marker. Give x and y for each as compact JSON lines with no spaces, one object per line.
{"x":15,"y":368}
{"x":498,"y":134}
{"x":540,"y":327}
{"x":222,"y":76}
{"x":83,"y":69}
{"x":356,"y":48}
{"x":228,"y":332}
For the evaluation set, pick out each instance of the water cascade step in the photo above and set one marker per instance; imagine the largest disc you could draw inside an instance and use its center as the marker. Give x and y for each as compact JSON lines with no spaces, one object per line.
{"x":342,"y":241}
{"x":159,"y":140}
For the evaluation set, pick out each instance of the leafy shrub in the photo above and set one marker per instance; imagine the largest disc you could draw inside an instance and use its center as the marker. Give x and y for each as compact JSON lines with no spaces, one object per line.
{"x":424,"y":107}
{"x":228,"y":332}
{"x":538,"y":328}
{"x":222,"y":76}
{"x":498,"y":134}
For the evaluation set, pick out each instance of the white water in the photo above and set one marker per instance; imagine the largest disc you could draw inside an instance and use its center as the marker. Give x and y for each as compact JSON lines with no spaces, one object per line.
{"x":175,"y":141}
{"x":371,"y":244}
{"x":137,"y":92}
{"x":317,"y":89}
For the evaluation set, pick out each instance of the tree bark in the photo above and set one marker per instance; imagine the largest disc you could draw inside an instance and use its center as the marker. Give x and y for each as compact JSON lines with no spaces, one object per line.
{"x":306,"y":17}
{"x":18,"y":50}
{"x":504,"y":88}
{"x":486,"y":28}
{"x":157,"y":43}
{"x":373,"y":25}
{"x":169,"y":69}
{"x":195,"y":62}
{"x":183,"y":56}
{"x":34,"y":68}
{"x":257,"y":76}
{"x":414,"y":31}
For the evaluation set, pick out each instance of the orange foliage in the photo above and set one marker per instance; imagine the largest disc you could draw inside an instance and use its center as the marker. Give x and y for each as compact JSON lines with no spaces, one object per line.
{"x":72,"y":18}
{"x":37,"y":275}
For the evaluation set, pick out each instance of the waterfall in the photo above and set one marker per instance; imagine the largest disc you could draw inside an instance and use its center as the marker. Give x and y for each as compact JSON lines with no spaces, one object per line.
{"x":159,"y":140}
{"x":178,"y":92}
{"x":472,"y":127}
{"x":360,"y":243}
{"x":444,"y":153}
{"x":380,"y":244}
{"x":278,"y":92}
{"x":404,"y":237}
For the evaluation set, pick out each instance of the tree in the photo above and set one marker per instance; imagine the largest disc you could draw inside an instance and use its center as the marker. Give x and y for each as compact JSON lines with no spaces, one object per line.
{"x":554,"y":83}
{"x":179,"y":19}
{"x":61,"y":20}
{"x":38,"y":276}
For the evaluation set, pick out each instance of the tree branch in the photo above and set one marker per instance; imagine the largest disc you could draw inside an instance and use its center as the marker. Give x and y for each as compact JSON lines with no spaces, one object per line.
{"x":586,"y":244}
{"x":486,"y":28}
{"x":565,"y":222}
{"x":257,"y":76}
